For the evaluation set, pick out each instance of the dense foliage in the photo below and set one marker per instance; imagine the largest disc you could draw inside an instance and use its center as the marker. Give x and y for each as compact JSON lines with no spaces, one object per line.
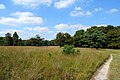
{"x":95,"y":37}
{"x":63,"y":39}
{"x":15,"y":39}
{"x":68,"y":49}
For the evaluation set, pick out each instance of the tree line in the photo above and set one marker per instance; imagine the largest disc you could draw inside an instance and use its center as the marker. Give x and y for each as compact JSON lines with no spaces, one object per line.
{"x":94,"y":37}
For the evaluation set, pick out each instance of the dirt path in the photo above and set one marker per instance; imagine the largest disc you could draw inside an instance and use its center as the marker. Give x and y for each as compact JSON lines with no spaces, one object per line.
{"x":102,"y":73}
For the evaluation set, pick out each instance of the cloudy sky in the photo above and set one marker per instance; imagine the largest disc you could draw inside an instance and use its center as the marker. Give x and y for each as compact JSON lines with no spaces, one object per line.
{"x":48,"y":17}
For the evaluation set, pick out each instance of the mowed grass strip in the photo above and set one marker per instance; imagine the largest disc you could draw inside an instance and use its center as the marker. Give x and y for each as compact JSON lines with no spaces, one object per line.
{"x":48,"y":63}
{"x":115,"y":66}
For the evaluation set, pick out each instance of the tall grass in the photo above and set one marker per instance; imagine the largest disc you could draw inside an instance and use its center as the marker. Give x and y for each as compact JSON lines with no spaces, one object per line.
{"x":48,"y":63}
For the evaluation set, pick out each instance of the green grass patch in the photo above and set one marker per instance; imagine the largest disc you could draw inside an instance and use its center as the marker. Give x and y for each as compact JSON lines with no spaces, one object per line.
{"x":115,"y":66}
{"x":48,"y":63}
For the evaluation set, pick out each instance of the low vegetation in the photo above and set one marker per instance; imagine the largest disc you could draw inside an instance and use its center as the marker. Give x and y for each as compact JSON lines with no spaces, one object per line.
{"x":115,"y":66}
{"x":43,"y":63}
{"x":70,"y":49}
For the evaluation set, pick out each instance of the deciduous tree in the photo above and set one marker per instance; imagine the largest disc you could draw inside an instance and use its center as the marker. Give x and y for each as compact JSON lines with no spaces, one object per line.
{"x":15,"y":39}
{"x":8,"y":41}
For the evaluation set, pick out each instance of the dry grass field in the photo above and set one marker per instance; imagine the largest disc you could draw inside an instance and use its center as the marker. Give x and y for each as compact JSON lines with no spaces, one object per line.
{"x":48,"y":63}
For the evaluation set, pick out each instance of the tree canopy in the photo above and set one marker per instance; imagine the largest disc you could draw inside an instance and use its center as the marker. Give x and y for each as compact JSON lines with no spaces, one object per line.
{"x":8,"y":41}
{"x":15,"y":39}
{"x":95,"y":37}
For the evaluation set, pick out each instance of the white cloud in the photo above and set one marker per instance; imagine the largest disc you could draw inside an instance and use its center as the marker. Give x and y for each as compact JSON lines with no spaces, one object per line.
{"x":99,"y":25}
{"x":88,"y":13}
{"x":77,"y":13}
{"x":70,"y":26}
{"x":2,"y":6}
{"x":97,"y":9}
{"x":78,"y":8}
{"x":39,"y":29}
{"x":32,"y":3}
{"x":63,"y":3}
{"x":21,"y":18}
{"x":79,"y":26}
{"x":80,"y":12}
{"x":22,"y":14}
{"x":114,"y":10}
{"x":62,"y":26}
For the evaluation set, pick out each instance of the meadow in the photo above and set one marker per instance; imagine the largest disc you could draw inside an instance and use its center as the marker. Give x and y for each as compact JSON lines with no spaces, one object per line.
{"x":114,"y":73}
{"x":48,"y":63}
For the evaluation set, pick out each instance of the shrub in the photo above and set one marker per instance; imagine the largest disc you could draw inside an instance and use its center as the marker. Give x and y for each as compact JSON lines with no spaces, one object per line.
{"x":77,"y":51}
{"x":69,"y":49}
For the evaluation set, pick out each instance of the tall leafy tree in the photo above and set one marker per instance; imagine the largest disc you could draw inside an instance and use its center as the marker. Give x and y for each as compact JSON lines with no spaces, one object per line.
{"x":114,"y":38}
{"x":68,"y":39}
{"x":15,"y":39}
{"x":20,"y":42}
{"x":63,"y":39}
{"x":46,"y":43}
{"x":78,"y":38}
{"x":97,"y":39}
{"x":8,"y":40}
{"x":1,"y":41}
{"x":36,"y":41}
{"x":53,"y":43}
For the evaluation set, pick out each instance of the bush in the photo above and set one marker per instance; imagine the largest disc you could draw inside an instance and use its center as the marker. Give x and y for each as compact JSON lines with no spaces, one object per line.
{"x":69,"y":49}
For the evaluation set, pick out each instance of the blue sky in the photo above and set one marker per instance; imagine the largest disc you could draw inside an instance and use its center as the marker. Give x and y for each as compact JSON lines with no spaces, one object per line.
{"x":48,"y":17}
